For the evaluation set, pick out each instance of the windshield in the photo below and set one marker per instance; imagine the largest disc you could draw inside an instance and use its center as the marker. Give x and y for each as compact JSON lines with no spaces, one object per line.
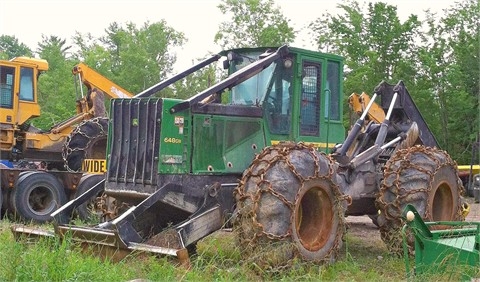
{"x":252,"y":90}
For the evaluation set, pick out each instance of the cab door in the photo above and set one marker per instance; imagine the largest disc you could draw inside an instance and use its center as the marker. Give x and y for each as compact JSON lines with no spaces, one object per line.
{"x":319,"y":104}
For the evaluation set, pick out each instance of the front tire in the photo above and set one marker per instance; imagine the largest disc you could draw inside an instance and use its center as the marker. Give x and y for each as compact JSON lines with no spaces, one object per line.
{"x":425,"y":178}
{"x":289,"y":205}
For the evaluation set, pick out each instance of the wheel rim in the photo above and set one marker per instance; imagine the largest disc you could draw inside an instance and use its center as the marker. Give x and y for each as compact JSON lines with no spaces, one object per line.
{"x":41,"y":201}
{"x":441,"y":203}
{"x":314,"y":218}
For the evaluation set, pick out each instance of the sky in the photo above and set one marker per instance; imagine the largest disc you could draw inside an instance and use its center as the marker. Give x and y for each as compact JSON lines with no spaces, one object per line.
{"x":199,"y":20}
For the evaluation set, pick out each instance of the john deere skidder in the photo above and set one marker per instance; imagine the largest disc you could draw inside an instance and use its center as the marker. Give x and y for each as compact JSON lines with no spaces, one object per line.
{"x":264,"y":150}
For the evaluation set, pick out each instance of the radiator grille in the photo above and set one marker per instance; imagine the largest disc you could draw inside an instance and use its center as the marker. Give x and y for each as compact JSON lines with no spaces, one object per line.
{"x":134,"y":141}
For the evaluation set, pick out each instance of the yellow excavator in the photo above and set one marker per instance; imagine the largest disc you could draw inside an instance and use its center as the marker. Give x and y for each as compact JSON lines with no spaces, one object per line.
{"x":59,"y":147}
{"x":41,"y":169}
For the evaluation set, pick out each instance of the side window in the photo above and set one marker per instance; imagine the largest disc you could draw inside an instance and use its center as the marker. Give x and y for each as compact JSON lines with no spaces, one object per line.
{"x":6,"y":87}
{"x":26,"y":84}
{"x":310,"y":103}
{"x":333,"y":91}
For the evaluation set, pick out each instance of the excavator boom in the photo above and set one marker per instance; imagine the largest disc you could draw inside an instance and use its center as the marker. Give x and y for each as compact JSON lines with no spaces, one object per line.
{"x":92,"y":79}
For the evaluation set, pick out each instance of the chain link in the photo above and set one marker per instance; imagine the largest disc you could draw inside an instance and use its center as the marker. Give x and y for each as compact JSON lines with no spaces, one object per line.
{"x":249,"y":195}
{"x":81,"y":130}
{"x":401,"y":161}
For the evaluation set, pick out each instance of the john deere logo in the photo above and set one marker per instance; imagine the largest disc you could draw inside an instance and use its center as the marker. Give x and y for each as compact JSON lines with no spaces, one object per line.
{"x":135,"y":122}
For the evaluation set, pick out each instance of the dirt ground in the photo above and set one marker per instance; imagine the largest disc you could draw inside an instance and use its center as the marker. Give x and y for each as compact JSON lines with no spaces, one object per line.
{"x":363,"y":228}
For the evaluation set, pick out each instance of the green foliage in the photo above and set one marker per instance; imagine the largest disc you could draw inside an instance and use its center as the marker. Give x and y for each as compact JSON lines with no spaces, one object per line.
{"x":254,"y":23}
{"x":375,"y":44}
{"x":440,"y":67}
{"x":363,"y":257}
{"x":195,"y":83}
{"x":141,"y":57}
{"x":218,"y":258}
{"x":134,"y":58}
{"x":11,"y":48}
{"x":438,"y":59}
{"x":450,"y":70}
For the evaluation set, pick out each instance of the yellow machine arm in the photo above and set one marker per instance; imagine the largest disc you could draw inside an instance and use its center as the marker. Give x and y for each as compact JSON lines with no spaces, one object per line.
{"x":92,"y":79}
{"x":358,"y":103}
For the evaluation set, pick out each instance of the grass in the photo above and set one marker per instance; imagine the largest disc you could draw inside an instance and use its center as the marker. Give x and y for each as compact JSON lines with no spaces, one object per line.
{"x":217,"y":259}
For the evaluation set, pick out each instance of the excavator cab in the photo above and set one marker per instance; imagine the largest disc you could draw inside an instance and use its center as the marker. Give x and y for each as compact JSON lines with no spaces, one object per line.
{"x":18,"y":101}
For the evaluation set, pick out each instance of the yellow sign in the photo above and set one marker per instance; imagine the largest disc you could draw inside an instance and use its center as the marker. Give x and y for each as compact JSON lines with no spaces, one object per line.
{"x":94,"y":166}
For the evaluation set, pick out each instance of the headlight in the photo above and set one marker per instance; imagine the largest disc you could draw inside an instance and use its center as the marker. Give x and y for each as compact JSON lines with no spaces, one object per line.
{"x":476,"y":180}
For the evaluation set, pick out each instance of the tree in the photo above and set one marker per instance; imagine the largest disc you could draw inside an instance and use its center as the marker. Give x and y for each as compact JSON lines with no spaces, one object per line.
{"x":134,"y":58}
{"x":254,"y":23}
{"x":141,"y":57}
{"x":11,"y":48}
{"x":375,"y":44}
{"x":450,"y":62}
{"x":56,"y":92}
{"x":440,"y":67}
{"x":195,"y":82}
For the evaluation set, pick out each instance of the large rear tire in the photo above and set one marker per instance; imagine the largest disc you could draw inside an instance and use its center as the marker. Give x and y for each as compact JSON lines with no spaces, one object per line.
{"x":87,"y":141}
{"x":289,"y":205}
{"x":424,"y":177}
{"x":36,"y":195}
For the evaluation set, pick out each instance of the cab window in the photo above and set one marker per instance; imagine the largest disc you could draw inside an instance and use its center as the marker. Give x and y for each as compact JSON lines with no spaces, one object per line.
{"x":6,"y":87}
{"x":26,"y":84}
{"x":332,"y":105}
{"x":310,"y":100}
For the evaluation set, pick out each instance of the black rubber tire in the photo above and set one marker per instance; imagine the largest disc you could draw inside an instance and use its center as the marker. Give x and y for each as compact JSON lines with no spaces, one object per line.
{"x":289,"y":205}
{"x":87,"y":141}
{"x":36,"y":195}
{"x":10,"y":196}
{"x":424,"y":177}
{"x":86,"y":211}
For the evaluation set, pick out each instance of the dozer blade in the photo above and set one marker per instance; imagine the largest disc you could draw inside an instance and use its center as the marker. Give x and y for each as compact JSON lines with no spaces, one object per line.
{"x":108,"y":244}
{"x":22,"y":231}
{"x":138,"y":229}
{"x":114,"y":243}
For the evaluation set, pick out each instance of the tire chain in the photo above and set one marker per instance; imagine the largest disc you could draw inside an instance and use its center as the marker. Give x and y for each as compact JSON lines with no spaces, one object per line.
{"x":78,"y":130}
{"x":280,"y":153}
{"x":392,"y":235}
{"x":100,"y":203}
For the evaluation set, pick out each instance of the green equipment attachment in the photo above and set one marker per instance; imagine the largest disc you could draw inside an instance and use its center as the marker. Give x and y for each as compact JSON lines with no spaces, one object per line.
{"x":443,"y":249}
